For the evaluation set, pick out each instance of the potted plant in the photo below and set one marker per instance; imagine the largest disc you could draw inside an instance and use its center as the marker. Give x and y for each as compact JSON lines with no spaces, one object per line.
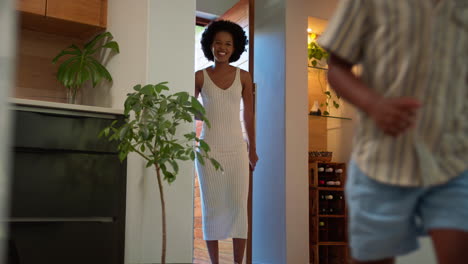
{"x":81,"y":64}
{"x":152,"y":118}
{"x":317,"y":58}
{"x":316,"y":54}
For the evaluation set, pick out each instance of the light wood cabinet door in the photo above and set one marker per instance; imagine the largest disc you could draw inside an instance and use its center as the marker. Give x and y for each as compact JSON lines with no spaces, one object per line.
{"x":32,"y":6}
{"x":89,"y":12}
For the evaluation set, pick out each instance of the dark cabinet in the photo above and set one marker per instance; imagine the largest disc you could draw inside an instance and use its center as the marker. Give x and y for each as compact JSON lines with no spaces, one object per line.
{"x":71,"y":184}
{"x":68,"y":190}
{"x":51,"y":131}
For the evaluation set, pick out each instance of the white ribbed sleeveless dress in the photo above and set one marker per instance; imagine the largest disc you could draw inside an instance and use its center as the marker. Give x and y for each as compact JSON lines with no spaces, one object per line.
{"x":224,"y":194}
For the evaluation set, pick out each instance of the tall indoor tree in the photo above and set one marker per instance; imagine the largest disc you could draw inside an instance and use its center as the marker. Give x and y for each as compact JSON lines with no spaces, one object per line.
{"x":152,"y":118}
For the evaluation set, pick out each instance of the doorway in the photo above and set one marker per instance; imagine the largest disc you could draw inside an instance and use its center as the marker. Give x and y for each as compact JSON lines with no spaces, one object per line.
{"x":237,"y":12}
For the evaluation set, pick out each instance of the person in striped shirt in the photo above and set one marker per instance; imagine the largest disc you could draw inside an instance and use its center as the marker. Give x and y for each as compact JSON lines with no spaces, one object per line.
{"x":408,"y":171}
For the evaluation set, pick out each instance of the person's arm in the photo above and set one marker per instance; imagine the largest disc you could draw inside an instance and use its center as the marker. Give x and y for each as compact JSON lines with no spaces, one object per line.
{"x":392,"y":115}
{"x":247,"y":96}
{"x":198,"y":86}
{"x":198,"y":82}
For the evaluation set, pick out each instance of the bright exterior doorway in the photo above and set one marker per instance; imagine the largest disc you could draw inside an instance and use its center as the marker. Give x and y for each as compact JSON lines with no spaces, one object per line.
{"x":239,"y":13}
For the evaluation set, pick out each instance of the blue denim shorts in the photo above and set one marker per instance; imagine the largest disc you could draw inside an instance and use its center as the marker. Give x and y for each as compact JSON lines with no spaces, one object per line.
{"x":386,"y":221}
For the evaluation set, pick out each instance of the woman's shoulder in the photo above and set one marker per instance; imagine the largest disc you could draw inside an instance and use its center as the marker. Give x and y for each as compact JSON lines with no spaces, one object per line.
{"x":245,"y":75}
{"x":243,"y":71}
{"x":200,"y":72}
{"x":199,"y":78}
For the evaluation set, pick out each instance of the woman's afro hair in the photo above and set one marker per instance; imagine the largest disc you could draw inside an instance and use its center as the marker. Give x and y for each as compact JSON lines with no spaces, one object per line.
{"x":238,"y":36}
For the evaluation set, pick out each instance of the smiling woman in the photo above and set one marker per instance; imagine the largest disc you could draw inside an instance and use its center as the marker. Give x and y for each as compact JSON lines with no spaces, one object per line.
{"x":222,"y":87}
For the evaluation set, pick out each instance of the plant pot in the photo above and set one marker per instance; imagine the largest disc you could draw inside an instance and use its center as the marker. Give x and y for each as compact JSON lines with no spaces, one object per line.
{"x":73,"y":96}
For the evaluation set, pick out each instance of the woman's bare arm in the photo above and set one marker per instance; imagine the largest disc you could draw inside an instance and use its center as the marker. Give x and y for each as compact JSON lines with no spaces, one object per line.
{"x":247,"y":96}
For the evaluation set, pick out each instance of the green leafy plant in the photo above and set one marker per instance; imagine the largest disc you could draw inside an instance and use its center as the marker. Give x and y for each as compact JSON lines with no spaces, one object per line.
{"x":330,"y":101}
{"x":81,"y":64}
{"x":150,"y":127}
{"x":315,"y":55}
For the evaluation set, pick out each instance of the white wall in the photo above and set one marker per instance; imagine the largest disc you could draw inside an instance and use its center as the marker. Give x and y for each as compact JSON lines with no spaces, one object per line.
{"x":320,"y":9}
{"x":127,"y":21}
{"x":280,"y":202}
{"x":297,"y":143}
{"x":171,"y":58}
{"x":7,"y":50}
{"x":340,"y":131}
{"x":155,"y":38}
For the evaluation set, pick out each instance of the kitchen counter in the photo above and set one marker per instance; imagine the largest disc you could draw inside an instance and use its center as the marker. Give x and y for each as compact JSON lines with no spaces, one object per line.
{"x":71,"y":109}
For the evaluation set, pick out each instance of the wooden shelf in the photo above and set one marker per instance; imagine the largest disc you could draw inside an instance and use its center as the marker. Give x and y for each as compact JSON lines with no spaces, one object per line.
{"x":332,"y":243}
{"x":327,"y":232}
{"x":81,"y":19}
{"x":318,"y":68}
{"x":58,"y":26}
{"x":329,"y":116}
{"x":311,"y":162}
{"x":330,"y":188}
{"x":332,"y":216}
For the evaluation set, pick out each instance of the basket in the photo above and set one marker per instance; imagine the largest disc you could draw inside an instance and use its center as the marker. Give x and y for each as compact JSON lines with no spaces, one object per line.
{"x":320,"y":156}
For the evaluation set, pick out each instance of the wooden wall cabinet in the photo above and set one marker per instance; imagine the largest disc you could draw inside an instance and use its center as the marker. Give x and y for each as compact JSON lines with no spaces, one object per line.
{"x":327,"y":213}
{"x":37,"y":7}
{"x":90,"y":12}
{"x":71,"y":18}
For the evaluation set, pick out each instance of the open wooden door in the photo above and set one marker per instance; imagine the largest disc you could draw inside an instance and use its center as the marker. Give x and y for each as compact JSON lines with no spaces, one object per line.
{"x":251,"y":15}
{"x":242,"y":14}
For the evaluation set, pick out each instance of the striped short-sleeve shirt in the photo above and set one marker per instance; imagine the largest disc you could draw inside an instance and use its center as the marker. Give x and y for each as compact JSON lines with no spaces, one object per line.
{"x":415,"y":48}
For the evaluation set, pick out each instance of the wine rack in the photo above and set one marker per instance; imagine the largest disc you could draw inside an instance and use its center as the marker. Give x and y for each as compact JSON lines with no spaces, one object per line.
{"x":328,"y":236}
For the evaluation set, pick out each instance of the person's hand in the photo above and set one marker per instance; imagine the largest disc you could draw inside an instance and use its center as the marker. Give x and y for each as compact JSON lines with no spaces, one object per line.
{"x":394,"y":116}
{"x":253,"y":158}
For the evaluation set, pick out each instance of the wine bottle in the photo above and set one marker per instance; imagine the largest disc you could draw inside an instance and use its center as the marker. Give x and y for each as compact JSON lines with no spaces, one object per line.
{"x":339,"y":170}
{"x":323,"y":233}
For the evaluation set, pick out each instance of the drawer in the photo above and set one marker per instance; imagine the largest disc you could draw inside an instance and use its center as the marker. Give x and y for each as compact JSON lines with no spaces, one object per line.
{"x":57,"y":131}
{"x":58,"y":184}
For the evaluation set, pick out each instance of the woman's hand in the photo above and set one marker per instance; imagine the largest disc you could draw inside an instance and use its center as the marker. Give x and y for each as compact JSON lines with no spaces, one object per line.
{"x":253,"y":158}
